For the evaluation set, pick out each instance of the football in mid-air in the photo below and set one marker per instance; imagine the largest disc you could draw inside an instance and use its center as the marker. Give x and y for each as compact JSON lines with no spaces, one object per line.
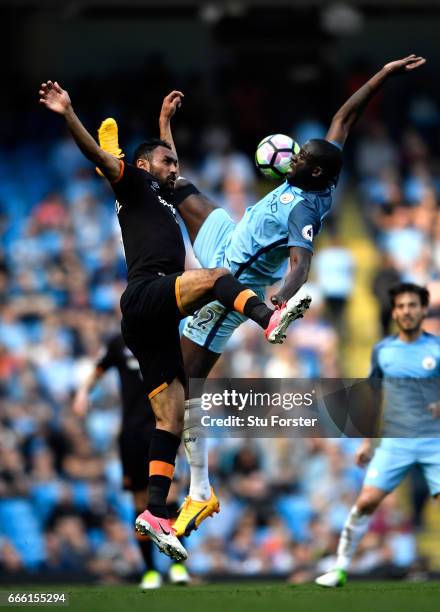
{"x":273,"y":155}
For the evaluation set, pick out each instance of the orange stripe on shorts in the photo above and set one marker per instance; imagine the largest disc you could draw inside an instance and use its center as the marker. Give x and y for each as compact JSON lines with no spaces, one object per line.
{"x":161,"y":468}
{"x":157,"y":390}
{"x":242,"y":298}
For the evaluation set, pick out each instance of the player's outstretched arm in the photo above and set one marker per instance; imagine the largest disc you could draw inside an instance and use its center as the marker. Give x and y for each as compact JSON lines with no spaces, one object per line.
{"x":170,"y":104}
{"x":300,"y":260}
{"x":349,"y":113}
{"x":80,"y":402}
{"x":56,"y":99}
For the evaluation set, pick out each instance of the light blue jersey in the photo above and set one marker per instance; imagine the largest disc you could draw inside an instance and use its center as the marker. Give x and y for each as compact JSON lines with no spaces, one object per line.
{"x":410,"y":375}
{"x":256,"y":250}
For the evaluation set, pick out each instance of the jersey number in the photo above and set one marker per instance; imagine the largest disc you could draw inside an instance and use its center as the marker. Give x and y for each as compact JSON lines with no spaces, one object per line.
{"x":207,"y":317}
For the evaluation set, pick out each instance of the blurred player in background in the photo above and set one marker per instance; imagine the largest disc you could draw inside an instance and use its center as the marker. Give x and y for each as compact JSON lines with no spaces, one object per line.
{"x":408,"y":368}
{"x":278,"y":228}
{"x":137,"y":427}
{"x":158,"y":295}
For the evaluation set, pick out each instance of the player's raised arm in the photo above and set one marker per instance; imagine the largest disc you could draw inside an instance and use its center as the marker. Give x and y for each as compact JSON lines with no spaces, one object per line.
{"x":56,"y":99}
{"x":170,"y":104}
{"x":350,"y":112}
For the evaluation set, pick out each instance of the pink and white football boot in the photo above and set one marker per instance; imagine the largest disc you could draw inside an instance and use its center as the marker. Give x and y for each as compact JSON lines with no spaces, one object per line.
{"x":162,"y":534}
{"x":283,"y":316}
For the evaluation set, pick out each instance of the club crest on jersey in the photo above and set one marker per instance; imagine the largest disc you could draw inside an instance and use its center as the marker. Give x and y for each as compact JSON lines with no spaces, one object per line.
{"x":286,"y":198}
{"x":429,"y":363}
{"x":307,"y":232}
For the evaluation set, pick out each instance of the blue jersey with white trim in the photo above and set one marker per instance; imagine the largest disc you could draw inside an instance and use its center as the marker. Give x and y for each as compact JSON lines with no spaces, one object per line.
{"x":258,"y":248}
{"x":410,"y":376}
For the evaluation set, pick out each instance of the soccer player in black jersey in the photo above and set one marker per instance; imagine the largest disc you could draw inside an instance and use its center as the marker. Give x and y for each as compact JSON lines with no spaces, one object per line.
{"x":137,"y":426}
{"x":158,"y":295}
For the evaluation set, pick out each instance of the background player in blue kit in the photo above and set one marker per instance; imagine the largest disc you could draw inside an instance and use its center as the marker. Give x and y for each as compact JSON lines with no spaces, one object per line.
{"x":408,"y":367}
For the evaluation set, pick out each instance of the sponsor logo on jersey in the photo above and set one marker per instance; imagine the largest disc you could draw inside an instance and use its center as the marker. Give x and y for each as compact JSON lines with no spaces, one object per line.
{"x":170,"y":206}
{"x":307,"y":232}
{"x":118,"y":207}
{"x":286,"y":198}
{"x":429,"y":363}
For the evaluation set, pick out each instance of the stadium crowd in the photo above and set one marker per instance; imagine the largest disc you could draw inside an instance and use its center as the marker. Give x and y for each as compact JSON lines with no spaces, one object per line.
{"x":61,"y":274}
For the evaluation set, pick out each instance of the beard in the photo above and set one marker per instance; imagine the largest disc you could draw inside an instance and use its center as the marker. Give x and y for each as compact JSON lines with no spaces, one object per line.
{"x":410,"y":325}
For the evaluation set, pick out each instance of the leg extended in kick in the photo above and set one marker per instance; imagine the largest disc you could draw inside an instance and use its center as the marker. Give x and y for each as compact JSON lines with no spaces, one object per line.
{"x":194,"y":207}
{"x":199,"y":287}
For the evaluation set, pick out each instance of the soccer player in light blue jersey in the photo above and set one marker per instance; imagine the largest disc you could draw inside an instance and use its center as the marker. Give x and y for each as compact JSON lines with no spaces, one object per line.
{"x":408,"y":367}
{"x":277,"y":229}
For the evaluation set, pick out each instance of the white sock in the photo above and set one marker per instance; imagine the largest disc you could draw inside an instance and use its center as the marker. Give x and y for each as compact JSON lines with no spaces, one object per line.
{"x":355,"y":527}
{"x":196,"y":451}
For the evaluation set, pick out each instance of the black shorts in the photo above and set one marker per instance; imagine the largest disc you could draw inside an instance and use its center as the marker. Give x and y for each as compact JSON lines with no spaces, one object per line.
{"x":151,"y":312}
{"x":134,"y":448}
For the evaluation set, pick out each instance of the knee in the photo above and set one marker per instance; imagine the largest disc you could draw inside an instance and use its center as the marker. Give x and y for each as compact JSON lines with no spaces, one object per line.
{"x":171,"y":422}
{"x":218,"y":273}
{"x":212,"y":276}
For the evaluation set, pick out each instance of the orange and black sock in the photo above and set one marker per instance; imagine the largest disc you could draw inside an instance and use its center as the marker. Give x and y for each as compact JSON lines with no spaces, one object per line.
{"x":163,"y":451}
{"x":232,"y":294}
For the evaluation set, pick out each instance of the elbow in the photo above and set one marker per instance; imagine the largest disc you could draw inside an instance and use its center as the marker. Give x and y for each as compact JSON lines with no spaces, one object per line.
{"x":341,"y":121}
{"x":100,"y":158}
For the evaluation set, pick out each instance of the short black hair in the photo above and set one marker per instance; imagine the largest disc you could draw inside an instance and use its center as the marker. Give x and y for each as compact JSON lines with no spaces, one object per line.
{"x":326,"y":155}
{"x":145,"y":149}
{"x":422,"y":292}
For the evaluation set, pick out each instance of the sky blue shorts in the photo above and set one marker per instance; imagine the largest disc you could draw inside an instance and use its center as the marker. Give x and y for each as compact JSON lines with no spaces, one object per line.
{"x":213,"y":325}
{"x":394,"y":458}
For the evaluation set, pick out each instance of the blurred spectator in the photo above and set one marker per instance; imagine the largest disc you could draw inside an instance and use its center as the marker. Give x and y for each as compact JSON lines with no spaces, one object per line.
{"x":386,"y":277}
{"x":118,"y":557}
{"x":334,"y":268}
{"x":10,"y":562}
